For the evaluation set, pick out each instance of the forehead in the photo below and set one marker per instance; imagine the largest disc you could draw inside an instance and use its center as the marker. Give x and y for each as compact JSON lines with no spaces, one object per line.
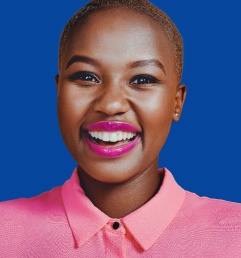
{"x":121,"y":32}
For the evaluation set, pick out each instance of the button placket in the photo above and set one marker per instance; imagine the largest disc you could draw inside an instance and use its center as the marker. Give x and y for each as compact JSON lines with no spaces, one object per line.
{"x":114,"y":235}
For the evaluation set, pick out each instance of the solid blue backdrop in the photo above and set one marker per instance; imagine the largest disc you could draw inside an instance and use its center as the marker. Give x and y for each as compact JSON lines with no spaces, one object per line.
{"x":203,"y":149}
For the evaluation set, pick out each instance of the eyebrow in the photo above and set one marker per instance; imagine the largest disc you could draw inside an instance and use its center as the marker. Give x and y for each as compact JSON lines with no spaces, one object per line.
{"x":147,"y":62}
{"x":136,"y":64}
{"x":83,"y":59}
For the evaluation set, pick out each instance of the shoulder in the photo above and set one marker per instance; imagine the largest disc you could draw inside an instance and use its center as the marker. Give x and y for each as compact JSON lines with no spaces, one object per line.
{"x":23,"y":213}
{"x":42,"y":201}
{"x":214,"y":225}
{"x":211,"y":206}
{"x":27,"y":224}
{"x":212,"y":211}
{"x":212,"y":216}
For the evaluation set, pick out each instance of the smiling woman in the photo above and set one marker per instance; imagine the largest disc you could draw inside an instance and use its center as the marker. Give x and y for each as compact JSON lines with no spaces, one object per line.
{"x":136,"y":77}
{"x":119,"y":90}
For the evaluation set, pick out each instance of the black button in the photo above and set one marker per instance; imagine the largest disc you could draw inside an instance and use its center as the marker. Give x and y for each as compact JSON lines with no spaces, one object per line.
{"x":116,"y":225}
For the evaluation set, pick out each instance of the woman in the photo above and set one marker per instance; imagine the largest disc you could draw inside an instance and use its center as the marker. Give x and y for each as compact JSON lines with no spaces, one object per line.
{"x":119,"y":90}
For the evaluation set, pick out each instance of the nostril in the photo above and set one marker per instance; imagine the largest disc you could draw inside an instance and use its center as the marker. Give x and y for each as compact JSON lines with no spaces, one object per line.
{"x":112,"y":106}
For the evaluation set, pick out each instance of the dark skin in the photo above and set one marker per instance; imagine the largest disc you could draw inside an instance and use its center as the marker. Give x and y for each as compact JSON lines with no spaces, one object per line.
{"x":131,"y":78}
{"x":118,"y":200}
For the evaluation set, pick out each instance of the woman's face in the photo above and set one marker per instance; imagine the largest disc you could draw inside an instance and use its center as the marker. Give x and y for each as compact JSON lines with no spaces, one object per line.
{"x":117,"y":94}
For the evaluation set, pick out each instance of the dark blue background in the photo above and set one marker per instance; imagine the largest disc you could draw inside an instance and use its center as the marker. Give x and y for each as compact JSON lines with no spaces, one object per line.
{"x":203,"y":149}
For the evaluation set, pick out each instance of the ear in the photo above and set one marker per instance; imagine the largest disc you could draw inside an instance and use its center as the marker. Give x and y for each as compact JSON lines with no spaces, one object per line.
{"x":179,"y":101}
{"x":57,"y":82}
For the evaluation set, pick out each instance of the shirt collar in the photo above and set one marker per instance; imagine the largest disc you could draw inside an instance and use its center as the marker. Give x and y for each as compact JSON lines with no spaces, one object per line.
{"x":81,"y":212}
{"x":154,"y":216}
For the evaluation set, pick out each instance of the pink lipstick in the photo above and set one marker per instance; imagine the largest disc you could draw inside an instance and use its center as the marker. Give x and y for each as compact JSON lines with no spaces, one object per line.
{"x":111,"y":126}
{"x":111,"y":139}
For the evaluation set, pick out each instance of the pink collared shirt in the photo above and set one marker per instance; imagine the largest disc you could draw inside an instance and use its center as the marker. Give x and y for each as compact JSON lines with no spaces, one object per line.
{"x":174,"y":223}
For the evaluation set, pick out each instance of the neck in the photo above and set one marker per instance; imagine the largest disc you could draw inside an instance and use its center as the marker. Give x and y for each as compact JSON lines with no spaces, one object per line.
{"x":118,"y":200}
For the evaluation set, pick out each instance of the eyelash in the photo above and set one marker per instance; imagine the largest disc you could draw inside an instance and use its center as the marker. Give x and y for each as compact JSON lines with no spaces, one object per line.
{"x":144,"y":79}
{"x":84,"y":76}
{"x":141,"y":79}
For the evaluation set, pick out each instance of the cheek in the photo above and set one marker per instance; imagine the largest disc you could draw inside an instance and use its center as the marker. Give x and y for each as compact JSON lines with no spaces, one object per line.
{"x":71,"y":111}
{"x":156,"y":116}
{"x":70,"y":107}
{"x":157,"y":107}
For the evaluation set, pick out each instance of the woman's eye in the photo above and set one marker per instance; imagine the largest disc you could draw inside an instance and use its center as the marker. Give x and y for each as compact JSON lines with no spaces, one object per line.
{"x":84,"y":76}
{"x":144,"y":79}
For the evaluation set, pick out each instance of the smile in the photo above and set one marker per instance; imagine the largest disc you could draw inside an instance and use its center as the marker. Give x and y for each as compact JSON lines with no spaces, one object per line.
{"x":111,"y":136}
{"x":111,"y":139}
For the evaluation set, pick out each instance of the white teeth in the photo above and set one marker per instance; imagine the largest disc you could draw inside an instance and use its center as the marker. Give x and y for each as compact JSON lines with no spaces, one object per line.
{"x":119,"y":136}
{"x":105,"y":137}
{"x":111,"y":136}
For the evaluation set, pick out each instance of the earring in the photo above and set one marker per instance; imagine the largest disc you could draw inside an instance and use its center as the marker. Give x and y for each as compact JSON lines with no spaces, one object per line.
{"x":176,"y":114}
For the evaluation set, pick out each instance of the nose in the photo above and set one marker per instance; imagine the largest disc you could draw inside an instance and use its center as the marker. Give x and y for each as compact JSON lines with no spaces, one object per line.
{"x":112,"y":100}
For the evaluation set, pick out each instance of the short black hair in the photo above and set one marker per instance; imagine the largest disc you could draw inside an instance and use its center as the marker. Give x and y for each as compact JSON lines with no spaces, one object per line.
{"x":141,"y":6}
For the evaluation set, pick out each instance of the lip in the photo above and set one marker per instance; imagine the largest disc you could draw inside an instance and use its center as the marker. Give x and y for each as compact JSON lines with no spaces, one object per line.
{"x":111,"y":126}
{"x":111,"y":151}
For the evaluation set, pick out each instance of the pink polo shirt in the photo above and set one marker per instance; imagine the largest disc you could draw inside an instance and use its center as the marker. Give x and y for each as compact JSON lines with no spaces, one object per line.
{"x":174,"y":223}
